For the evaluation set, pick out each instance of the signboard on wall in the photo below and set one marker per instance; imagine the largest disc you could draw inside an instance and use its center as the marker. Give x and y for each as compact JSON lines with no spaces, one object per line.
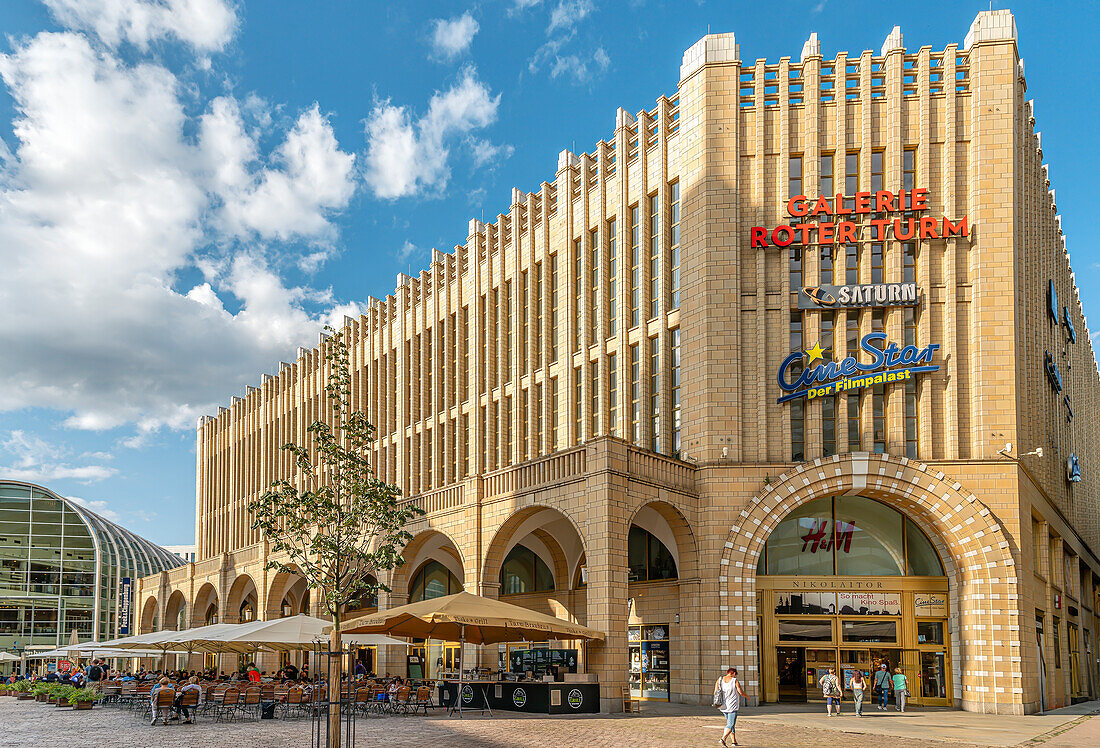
{"x":125,"y":592}
{"x":931,"y":604}
{"x":869,"y":603}
{"x":854,"y":296}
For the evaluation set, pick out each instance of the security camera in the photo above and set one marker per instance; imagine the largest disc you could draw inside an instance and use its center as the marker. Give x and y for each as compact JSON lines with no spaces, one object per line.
{"x":1006,"y":450}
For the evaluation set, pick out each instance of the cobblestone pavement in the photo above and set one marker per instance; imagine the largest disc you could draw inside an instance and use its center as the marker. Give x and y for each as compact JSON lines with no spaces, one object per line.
{"x":26,"y":723}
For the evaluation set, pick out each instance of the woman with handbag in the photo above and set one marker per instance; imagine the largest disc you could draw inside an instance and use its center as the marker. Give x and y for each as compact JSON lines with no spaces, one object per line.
{"x":830,"y":689}
{"x":727,"y":698}
{"x":901,"y":689}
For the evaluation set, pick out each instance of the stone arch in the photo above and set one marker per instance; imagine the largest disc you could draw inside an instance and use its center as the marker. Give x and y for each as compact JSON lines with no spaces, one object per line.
{"x":972,"y":545}
{"x":516,"y":528}
{"x":684,"y":548}
{"x":149,"y":611}
{"x":242,"y":591}
{"x":174,"y":609}
{"x":282,"y":584}
{"x":429,"y":543}
{"x":205,"y":599}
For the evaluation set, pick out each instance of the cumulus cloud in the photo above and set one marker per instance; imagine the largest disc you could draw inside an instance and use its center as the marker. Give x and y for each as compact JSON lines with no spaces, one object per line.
{"x":408,"y":155}
{"x":206,"y":25}
{"x":407,"y":250}
{"x":113,"y":192}
{"x":580,"y":70}
{"x":32,"y":459}
{"x":485,"y":153}
{"x":451,"y":37}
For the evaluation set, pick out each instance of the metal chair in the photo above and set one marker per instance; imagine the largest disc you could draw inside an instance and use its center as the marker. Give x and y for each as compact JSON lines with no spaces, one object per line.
{"x":225,"y":705}
{"x":422,"y":699}
{"x":251,"y":702}
{"x":400,"y":701}
{"x":293,"y":703}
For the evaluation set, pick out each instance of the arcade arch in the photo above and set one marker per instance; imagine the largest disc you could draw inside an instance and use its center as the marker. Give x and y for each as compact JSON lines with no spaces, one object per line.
{"x":175,"y":612}
{"x":241,"y":604}
{"x":149,"y":616}
{"x":205,"y":611}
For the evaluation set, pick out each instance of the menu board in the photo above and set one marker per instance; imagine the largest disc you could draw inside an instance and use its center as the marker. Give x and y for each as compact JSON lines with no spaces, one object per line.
{"x":931,"y":604}
{"x":869,"y":603}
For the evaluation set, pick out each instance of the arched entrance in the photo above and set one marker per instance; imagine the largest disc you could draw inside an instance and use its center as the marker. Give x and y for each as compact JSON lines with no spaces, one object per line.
{"x":433,"y":568}
{"x":977,"y":569}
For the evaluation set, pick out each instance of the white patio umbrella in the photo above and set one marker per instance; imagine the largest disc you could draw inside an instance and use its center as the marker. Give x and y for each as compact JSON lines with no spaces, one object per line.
{"x":8,"y":657}
{"x":281,"y":634}
{"x":101,"y":651}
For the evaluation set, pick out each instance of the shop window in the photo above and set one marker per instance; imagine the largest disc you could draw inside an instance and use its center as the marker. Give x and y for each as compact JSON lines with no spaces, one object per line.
{"x":930,"y":632}
{"x":849,"y":536}
{"x":649,"y":661}
{"x":433,"y":580}
{"x":870,"y":632}
{"x":648,"y":557}
{"x":524,"y":571}
{"x":805,"y":631}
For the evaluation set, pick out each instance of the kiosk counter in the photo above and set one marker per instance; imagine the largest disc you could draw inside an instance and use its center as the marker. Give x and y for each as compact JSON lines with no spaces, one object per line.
{"x":534,"y":696}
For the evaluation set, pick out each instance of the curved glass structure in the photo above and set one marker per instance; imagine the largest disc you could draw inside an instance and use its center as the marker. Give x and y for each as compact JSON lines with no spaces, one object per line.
{"x":62,"y":568}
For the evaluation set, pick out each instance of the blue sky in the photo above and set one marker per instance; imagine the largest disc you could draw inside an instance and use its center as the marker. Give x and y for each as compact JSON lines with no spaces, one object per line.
{"x":192,"y":187}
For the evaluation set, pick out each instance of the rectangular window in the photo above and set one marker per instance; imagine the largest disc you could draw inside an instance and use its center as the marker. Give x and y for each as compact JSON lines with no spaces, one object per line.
{"x":827,"y":176}
{"x":654,"y":393}
{"x":794,"y":267}
{"x":613,"y":278}
{"x":507,"y":315}
{"x":524,"y":419}
{"x":465,"y":446}
{"x":909,"y":168}
{"x":578,"y":404}
{"x":613,"y":394}
{"x":802,"y":630}
{"x":827,"y":341}
{"x":593,"y":398}
{"x":538,"y":419}
{"x":853,"y":422}
{"x":794,"y":176}
{"x":851,"y":264}
{"x":1057,"y":628}
{"x":878,"y":412}
{"x":878,"y":171}
{"x":828,"y":426}
{"x":553,"y":308}
{"x":674,"y":232}
{"x":911,"y":419}
{"x":578,"y":294}
{"x":885,"y":632}
{"x":654,"y":259}
{"x":553,"y":414}
{"x":909,"y":262}
{"x":827,"y":264}
{"x":635,"y":267}
{"x":524,"y":330}
{"x":507,"y":441}
{"x":851,"y":178}
{"x":676,"y":410}
{"x":594,"y":285}
{"x":636,"y":395}
{"x":797,"y":413}
{"x":877,"y":267}
{"x":538,"y":315}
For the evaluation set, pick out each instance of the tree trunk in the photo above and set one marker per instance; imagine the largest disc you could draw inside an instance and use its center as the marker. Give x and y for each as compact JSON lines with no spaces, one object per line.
{"x":334,"y":684}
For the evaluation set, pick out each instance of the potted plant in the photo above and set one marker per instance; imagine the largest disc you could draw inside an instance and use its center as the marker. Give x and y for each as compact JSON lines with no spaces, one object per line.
{"x":23,"y":690}
{"x":41,"y":691}
{"x":61,"y":693}
{"x":83,"y":698}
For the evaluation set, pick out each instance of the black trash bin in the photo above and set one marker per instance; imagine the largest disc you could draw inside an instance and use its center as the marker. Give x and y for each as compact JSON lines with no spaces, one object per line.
{"x":267,"y":710}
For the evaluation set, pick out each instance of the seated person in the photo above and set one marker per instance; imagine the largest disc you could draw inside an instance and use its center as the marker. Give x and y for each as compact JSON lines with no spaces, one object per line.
{"x":191,"y":685}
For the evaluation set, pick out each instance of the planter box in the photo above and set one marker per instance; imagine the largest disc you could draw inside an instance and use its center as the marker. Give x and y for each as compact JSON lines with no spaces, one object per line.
{"x":81,"y":705}
{"x":61,"y":702}
{"x":25,"y":696}
{"x":41,"y":697}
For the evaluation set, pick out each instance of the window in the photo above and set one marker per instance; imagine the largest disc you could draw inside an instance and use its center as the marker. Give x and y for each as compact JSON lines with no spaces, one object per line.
{"x":878,"y":171}
{"x":594,"y":285}
{"x":878,"y":412}
{"x":654,"y":393}
{"x":853,"y":422}
{"x":635,"y":267}
{"x":911,"y":420}
{"x":828,"y":426}
{"x":654,"y":259}
{"x":851,"y":178}
{"x":432,"y":581}
{"x":613,"y":278}
{"x":797,"y":411}
{"x":930,"y":632}
{"x":909,"y":262}
{"x":578,"y":405}
{"x":794,"y":176}
{"x":524,"y":571}
{"x":799,"y":630}
{"x":827,"y":175}
{"x":538,"y":315}
{"x":507,"y":314}
{"x":674,"y":229}
{"x":827,"y":323}
{"x":794,"y":268}
{"x":524,"y":330}
{"x":648,"y":558}
{"x":849,"y":536}
{"x":826,"y":264}
{"x":1057,"y":628}
{"x":635,"y":395}
{"x":553,"y":309}
{"x":594,"y":398}
{"x":877,"y":267}
{"x":851,"y":264}
{"x":675,"y":391}
{"x":578,"y":293}
{"x":909,"y":168}
{"x":553,"y":414}
{"x":613,"y":393}
{"x":885,"y":632}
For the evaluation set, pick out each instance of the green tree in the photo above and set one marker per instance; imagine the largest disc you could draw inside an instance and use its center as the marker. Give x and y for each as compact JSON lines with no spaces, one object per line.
{"x":343,"y":525}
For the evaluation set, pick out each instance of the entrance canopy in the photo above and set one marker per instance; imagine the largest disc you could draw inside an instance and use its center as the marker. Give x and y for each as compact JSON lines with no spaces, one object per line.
{"x":478,"y":620}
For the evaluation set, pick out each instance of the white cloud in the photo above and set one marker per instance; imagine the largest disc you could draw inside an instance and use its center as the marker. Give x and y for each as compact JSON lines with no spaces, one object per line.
{"x":35,"y":460}
{"x":580,"y":70}
{"x":203,"y":24}
{"x":487,"y":154}
{"x":568,"y":13}
{"x":409,"y":156}
{"x":451,"y":37}
{"x":99,"y":507}
{"x":518,"y":6}
{"x":407,"y":250}
{"x":112,"y":194}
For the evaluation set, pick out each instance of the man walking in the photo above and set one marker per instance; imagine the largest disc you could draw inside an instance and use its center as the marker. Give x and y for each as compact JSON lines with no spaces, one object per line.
{"x":882,"y":686}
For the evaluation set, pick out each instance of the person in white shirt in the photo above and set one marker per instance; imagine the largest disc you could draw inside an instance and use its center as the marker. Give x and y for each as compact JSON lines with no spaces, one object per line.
{"x":191,"y":685}
{"x":728,"y":694}
{"x":859,"y":686}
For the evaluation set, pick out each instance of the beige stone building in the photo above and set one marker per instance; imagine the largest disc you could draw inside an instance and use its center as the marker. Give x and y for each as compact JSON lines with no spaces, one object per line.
{"x":631,"y":402}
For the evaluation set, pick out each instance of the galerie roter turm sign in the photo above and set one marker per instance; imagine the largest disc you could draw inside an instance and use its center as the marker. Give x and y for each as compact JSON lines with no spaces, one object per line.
{"x":829,"y":226}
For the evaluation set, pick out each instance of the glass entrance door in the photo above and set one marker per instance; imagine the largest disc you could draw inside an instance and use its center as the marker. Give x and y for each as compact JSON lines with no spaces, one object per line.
{"x":791,"y":666}
{"x":818,"y":662}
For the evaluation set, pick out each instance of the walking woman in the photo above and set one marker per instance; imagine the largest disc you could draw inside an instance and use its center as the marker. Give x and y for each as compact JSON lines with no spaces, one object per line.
{"x":901,"y":689}
{"x":727,"y":697}
{"x":859,"y":687}
{"x":830,"y":689}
